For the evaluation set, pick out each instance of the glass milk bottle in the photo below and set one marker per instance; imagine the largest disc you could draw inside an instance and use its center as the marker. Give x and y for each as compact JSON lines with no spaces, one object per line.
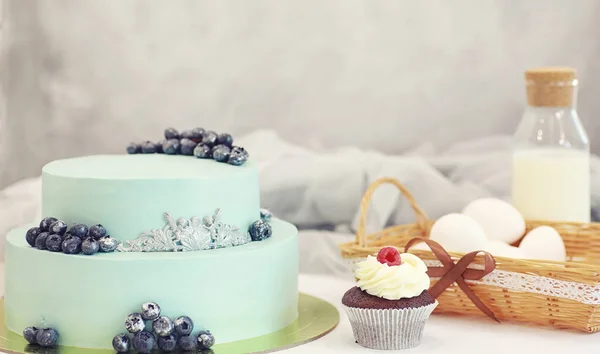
{"x":551,"y":156}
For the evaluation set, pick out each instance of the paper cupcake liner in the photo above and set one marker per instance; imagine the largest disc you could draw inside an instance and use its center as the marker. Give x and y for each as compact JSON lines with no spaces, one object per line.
{"x":389,"y":329}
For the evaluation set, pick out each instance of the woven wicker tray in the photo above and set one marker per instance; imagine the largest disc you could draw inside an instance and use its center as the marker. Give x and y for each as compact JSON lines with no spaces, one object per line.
{"x":558,"y":294}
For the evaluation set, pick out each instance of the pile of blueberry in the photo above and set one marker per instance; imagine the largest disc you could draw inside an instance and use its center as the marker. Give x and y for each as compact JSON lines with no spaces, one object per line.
{"x":162,"y":333}
{"x":204,"y":144}
{"x":52,"y":235}
{"x":44,"y":337}
{"x":261,"y":229}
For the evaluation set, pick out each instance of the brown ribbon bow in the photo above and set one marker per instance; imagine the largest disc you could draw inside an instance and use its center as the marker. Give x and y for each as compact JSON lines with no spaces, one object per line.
{"x":450,"y":273}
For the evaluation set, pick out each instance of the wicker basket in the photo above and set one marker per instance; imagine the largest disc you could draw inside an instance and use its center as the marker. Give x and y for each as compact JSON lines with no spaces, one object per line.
{"x":557,"y":294}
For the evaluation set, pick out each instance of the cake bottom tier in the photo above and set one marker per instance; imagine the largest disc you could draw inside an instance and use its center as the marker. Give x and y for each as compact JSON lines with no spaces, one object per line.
{"x":236,"y":293}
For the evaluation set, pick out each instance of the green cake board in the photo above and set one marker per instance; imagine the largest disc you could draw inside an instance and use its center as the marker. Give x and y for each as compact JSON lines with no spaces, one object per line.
{"x":316,"y":318}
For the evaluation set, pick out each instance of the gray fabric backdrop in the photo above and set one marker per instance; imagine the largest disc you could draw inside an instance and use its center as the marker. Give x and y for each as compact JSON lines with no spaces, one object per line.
{"x":83,"y":77}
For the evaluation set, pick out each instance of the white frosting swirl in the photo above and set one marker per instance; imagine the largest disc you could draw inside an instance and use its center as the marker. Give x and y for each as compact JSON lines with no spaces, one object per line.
{"x":407,"y":280}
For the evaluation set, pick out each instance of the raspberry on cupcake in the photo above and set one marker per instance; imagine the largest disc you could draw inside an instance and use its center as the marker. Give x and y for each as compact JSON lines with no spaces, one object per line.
{"x":391,"y":302}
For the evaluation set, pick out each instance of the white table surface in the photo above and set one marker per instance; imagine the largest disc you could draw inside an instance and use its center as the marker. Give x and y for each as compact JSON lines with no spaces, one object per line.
{"x":443,"y":334}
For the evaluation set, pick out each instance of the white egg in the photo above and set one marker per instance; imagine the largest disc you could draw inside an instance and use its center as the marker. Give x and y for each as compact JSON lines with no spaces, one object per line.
{"x":503,"y":249}
{"x":544,"y":243}
{"x":499,"y":220}
{"x":420,"y":246}
{"x":493,"y":246}
{"x":458,"y":233}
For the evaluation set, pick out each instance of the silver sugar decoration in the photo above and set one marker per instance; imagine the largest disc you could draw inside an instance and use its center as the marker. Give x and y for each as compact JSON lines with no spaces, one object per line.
{"x":194,"y":234}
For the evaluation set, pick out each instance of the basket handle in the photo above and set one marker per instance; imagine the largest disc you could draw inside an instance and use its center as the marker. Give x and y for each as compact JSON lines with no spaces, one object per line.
{"x":361,"y":232}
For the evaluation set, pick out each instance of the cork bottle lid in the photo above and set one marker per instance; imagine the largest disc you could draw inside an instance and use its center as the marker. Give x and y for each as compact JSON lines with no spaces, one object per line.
{"x":551,"y":86}
{"x":549,"y":75}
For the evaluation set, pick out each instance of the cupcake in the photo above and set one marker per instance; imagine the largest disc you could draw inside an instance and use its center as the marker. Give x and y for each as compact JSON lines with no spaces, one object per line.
{"x":391,"y":302}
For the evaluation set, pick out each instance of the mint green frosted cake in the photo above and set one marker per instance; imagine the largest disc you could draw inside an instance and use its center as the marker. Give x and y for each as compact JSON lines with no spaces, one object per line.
{"x":181,"y":224}
{"x":129,"y":194}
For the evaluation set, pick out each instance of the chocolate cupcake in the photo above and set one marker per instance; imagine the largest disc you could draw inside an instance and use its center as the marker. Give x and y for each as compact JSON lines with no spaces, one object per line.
{"x":391,"y":303}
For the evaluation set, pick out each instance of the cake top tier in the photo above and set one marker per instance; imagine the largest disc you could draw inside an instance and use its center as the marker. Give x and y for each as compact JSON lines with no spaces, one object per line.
{"x":138,"y":167}
{"x":132,"y":194}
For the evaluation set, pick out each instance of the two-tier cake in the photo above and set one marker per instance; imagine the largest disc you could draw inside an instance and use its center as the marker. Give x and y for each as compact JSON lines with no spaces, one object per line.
{"x":182,"y":227}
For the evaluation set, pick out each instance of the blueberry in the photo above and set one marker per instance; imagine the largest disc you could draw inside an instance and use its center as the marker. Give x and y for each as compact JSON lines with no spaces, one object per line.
{"x":167,"y":343}
{"x":108,"y":244}
{"x":171,"y":147}
{"x":148,"y":147}
{"x":205,"y":340}
{"x":134,"y":323}
{"x":183,"y":325}
{"x":46,"y":222}
{"x":202,"y":151}
{"x":30,"y":334}
{"x":134,"y":148}
{"x":238,"y":156}
{"x":54,"y":243}
{"x":79,"y":230}
{"x":47,"y":337}
{"x":71,"y":245}
{"x":220,"y":153}
{"x":58,"y":227}
{"x":121,"y":343}
{"x":40,"y":241}
{"x":159,"y":146}
{"x":89,"y":246}
{"x":225,"y":139}
{"x":197,"y":134}
{"x":260,"y":230}
{"x":209,"y":138}
{"x":143,"y":342}
{"x":265,"y":215}
{"x":150,"y":311}
{"x":162,"y":326}
{"x":187,"y":134}
{"x":97,"y":231}
{"x":187,"y":343}
{"x":187,"y":146}
{"x":171,"y":133}
{"x":31,"y":235}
